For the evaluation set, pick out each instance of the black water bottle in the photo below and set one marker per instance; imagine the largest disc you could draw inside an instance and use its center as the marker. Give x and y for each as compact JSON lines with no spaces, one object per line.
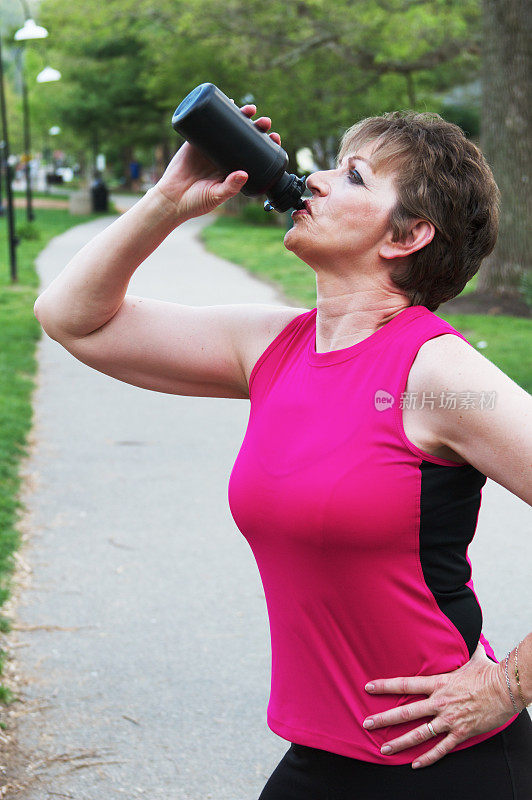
{"x":210,"y":121}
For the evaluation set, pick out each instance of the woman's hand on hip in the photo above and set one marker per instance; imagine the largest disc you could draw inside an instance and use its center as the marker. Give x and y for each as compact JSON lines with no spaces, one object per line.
{"x":470,"y":701}
{"x":195,"y":185}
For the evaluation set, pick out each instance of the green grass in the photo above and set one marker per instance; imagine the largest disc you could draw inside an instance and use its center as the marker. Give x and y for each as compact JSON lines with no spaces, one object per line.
{"x":19,"y":333}
{"x":260,"y":249}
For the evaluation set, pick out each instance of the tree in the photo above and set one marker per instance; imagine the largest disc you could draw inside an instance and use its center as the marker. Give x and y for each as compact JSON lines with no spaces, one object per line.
{"x":316,"y":66}
{"x":506,"y":138}
{"x":99,"y":49}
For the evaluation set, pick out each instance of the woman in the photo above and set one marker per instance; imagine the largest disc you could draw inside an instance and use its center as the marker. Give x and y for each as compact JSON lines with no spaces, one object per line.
{"x":373,"y":427}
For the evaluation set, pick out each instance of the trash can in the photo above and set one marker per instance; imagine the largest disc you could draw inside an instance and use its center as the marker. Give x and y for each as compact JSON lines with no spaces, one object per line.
{"x":99,"y":194}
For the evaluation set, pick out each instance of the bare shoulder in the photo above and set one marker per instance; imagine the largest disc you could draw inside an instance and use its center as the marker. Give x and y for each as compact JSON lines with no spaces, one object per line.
{"x":479,"y":412}
{"x":258,"y":326}
{"x":437,"y":358}
{"x":448,"y":359}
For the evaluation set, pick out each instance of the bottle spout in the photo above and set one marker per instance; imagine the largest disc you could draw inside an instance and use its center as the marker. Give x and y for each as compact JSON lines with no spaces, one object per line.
{"x":285,"y":194}
{"x":299,"y":204}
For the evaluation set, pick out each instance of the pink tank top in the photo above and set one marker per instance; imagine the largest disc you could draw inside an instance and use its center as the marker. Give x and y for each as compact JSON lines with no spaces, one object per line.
{"x":360,"y":537}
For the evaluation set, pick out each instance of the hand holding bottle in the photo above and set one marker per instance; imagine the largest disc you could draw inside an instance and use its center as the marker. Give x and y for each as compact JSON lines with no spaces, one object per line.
{"x":195,"y":186}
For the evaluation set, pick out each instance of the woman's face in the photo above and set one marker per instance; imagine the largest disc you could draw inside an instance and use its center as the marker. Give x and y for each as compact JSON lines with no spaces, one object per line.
{"x":348,"y":214}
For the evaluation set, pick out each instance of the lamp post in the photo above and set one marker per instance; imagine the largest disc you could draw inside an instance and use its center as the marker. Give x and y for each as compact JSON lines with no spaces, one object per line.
{"x":47,"y":75}
{"x":54,"y":131}
{"x":13,"y":241}
{"x":30,"y":30}
{"x":2,"y":145}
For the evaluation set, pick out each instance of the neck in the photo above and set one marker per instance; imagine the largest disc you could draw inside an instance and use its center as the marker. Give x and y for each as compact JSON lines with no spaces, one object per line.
{"x":347,"y":315}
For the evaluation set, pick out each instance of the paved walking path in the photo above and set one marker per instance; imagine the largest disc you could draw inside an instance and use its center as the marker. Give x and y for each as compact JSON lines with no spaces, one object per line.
{"x":147,"y":672}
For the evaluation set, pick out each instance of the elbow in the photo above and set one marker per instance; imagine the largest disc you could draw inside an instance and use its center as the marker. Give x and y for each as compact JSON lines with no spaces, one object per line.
{"x":40,"y":317}
{"x":36,"y":310}
{"x":38,"y":313}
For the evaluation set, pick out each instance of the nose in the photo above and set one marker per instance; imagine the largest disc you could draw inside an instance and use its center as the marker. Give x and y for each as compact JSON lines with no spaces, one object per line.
{"x":317,"y":183}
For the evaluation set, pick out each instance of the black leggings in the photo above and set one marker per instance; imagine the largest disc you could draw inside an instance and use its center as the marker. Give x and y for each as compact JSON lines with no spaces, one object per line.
{"x":499,"y":768}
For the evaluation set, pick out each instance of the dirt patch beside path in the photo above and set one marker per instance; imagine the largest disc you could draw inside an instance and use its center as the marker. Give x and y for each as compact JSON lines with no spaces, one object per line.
{"x":487,"y":303}
{"x":40,"y":202}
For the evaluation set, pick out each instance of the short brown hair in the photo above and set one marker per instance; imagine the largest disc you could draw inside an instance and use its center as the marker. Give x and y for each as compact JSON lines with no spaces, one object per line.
{"x":444,"y":178}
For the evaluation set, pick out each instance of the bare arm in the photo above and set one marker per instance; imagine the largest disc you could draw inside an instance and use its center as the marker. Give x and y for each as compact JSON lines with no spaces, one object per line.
{"x":497,"y":440}
{"x":91,"y":288}
{"x":167,"y":347}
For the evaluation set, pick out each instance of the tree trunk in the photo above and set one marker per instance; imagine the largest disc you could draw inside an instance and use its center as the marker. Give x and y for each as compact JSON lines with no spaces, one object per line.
{"x":324,"y":152}
{"x":506,"y":136}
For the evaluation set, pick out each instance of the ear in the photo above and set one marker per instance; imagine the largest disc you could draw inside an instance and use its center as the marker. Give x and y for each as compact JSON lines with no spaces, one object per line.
{"x":420,"y":234}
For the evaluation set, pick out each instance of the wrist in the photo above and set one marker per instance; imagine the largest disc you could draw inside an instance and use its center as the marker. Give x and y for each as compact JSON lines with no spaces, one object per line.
{"x":503,"y":675}
{"x":521,"y":673}
{"x":510,"y":691}
{"x":167,"y":207}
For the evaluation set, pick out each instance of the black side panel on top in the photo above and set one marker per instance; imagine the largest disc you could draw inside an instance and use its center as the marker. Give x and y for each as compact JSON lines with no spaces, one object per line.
{"x":450,"y":501}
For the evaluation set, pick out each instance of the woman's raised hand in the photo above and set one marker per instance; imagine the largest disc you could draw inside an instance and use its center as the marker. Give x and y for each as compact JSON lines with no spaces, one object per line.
{"x":195,"y":186}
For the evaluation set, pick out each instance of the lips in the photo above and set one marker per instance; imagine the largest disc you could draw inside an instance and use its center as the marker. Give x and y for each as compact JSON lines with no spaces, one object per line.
{"x":306,"y":209}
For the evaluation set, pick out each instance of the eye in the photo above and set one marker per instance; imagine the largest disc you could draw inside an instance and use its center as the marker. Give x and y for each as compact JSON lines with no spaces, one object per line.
{"x":355,"y":177}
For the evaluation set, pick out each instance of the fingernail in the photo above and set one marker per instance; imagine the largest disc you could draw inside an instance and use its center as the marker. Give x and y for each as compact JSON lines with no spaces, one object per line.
{"x":368,"y":723}
{"x":386,"y":749}
{"x":370,"y":687}
{"x":416,"y":764}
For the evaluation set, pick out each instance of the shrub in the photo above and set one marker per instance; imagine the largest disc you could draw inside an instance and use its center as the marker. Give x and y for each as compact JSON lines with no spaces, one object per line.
{"x":255,"y":214}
